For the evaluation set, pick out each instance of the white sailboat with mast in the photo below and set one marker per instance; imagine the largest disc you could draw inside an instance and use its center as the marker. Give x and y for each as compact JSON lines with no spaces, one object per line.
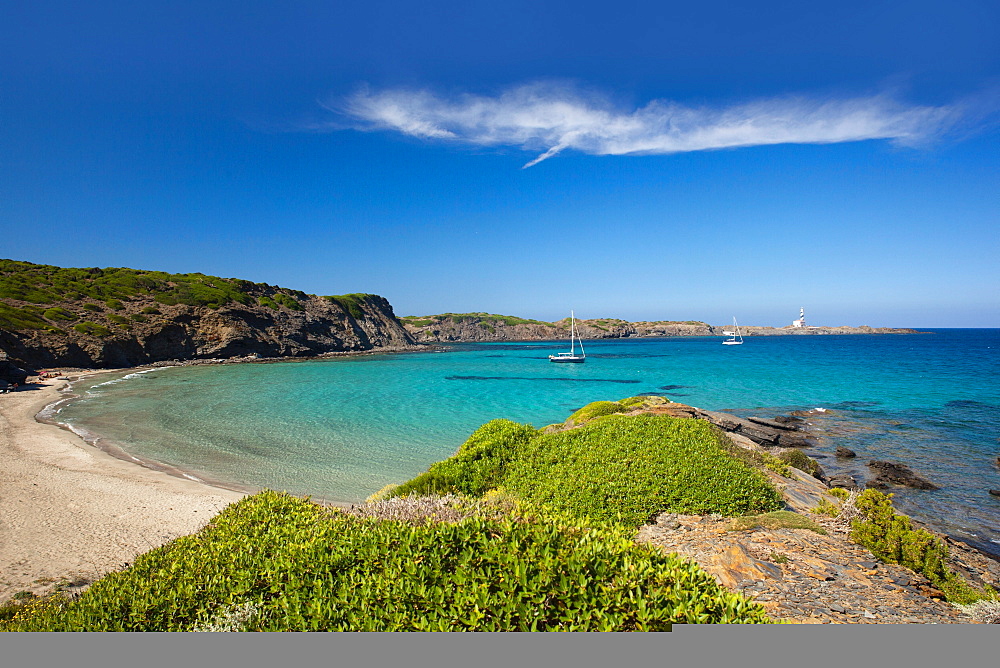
{"x":571,"y":356}
{"x":735,"y":338}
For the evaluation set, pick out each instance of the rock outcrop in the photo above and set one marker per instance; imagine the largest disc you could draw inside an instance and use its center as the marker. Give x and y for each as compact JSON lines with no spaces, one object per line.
{"x":472,"y":327}
{"x":888,"y":474}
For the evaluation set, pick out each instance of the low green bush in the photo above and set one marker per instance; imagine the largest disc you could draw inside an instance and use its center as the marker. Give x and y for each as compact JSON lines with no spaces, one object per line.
{"x":626,"y":469}
{"x":597,"y":409}
{"x":287,"y":301}
{"x":479,"y":465}
{"x":275,"y":563}
{"x":91,"y":307}
{"x":892,"y":538}
{"x":619,"y":469}
{"x":58,"y":313}
{"x":352,"y":303}
{"x":115,"y":305}
{"x":799,"y":460}
{"x":92,"y":329}
{"x":14,"y":318}
{"x":138,"y":317}
{"x":150,"y":310}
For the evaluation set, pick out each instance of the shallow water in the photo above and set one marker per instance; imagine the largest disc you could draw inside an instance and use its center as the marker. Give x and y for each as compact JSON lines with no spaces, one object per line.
{"x":342,"y":428}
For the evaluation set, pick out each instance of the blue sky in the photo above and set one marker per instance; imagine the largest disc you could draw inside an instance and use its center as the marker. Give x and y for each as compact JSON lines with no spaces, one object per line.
{"x":643,"y":160}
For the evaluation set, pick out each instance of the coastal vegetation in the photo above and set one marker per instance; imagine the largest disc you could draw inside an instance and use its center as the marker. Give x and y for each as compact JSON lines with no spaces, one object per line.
{"x":891,"y":537}
{"x":486,"y":318}
{"x":540,"y":538}
{"x":350,"y":303}
{"x":614,"y":468}
{"x":272,"y":562}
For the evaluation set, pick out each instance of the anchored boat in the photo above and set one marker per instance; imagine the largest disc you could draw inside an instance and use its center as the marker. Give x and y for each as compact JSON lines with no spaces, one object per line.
{"x":571,"y":356}
{"x":735,"y":337}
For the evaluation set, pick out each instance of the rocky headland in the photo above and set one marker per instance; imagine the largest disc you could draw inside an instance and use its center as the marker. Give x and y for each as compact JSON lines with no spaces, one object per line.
{"x":106,"y":318}
{"x":473,"y":327}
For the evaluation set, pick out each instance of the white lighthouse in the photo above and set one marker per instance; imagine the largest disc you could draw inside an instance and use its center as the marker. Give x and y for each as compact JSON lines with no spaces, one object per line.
{"x":801,"y":322}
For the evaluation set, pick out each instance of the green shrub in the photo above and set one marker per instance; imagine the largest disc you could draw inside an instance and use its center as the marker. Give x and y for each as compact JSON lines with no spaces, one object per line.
{"x":92,"y":329}
{"x":118,"y":319}
{"x":292,"y":566}
{"x":892,"y":538}
{"x":597,"y":409}
{"x":479,"y":465}
{"x":91,"y":307}
{"x":626,"y":469}
{"x":14,"y":318}
{"x":352,"y":303}
{"x":287,"y":301}
{"x":799,"y":460}
{"x":267,"y":302}
{"x":138,"y":317}
{"x":150,"y":310}
{"x":58,"y":313}
{"x":115,"y":305}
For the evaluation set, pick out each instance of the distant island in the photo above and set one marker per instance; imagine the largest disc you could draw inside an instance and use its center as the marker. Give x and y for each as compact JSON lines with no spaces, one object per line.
{"x":119,"y":317}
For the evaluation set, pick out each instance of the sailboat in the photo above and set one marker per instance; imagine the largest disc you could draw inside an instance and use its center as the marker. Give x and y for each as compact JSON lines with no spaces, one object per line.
{"x":571,"y":356}
{"x":735,"y":337}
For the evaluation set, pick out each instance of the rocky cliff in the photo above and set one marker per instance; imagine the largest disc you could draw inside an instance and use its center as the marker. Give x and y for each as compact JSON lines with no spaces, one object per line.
{"x":456,"y":327}
{"x":122,"y":317}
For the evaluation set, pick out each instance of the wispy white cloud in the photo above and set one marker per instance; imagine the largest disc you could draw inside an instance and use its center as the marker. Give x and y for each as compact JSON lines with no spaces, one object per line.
{"x":551,"y":117}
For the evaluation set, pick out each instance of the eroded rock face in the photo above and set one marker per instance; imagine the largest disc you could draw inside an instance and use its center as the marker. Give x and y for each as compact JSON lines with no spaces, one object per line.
{"x":888,"y":474}
{"x":186,"y":332}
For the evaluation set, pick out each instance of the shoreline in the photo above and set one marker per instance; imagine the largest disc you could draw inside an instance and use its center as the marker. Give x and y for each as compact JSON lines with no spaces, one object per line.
{"x":71,"y":512}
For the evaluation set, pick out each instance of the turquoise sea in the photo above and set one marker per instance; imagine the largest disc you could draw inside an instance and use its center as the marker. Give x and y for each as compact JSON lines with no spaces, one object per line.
{"x":340,"y":429}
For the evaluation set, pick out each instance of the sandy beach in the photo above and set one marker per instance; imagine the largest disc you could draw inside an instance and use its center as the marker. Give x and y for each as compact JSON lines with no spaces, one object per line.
{"x":70,"y":513}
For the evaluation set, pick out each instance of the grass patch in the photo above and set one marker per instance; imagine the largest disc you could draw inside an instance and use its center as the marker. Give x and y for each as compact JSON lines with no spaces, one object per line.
{"x":56,"y":314}
{"x":779,"y":519}
{"x":275,"y":563}
{"x":92,"y":329}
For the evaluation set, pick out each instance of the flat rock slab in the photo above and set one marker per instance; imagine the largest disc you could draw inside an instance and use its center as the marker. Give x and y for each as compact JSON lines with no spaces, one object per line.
{"x":802,"y":576}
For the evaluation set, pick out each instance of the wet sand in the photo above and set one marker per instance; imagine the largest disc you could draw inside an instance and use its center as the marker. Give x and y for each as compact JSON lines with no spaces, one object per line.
{"x":70,"y":513}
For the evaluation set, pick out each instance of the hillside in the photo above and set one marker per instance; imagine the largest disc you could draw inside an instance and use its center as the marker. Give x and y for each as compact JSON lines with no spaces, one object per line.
{"x":489,"y":327}
{"x":455,"y":327}
{"x":120,"y":317}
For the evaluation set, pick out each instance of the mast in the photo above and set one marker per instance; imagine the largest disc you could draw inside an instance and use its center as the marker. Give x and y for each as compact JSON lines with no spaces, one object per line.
{"x":572,"y":325}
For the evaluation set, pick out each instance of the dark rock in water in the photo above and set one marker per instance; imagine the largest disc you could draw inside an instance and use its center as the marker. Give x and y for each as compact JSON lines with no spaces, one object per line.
{"x":842,"y":480}
{"x":773,"y":424}
{"x":995,"y":492}
{"x":894,"y":473}
{"x":789,"y":440}
{"x":788,"y":420}
{"x":847,"y":453}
